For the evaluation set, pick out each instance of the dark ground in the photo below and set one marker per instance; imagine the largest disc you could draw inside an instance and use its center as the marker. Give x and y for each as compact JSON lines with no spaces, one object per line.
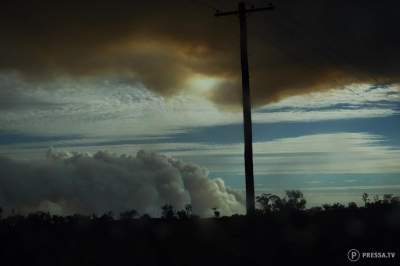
{"x":311,"y":237}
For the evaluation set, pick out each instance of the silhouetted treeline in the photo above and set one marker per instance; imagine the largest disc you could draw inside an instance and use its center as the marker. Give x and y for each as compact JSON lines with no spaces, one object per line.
{"x":282,"y":231}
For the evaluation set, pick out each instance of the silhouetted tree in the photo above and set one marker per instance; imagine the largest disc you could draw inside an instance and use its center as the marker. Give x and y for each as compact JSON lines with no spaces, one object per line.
{"x":167,"y":211}
{"x":315,"y":209}
{"x":365,"y":198}
{"x":387,"y":198}
{"x":108,"y":216}
{"x":145,"y":217}
{"x":189,"y":210}
{"x":217,"y":213}
{"x":39,"y":217}
{"x":295,"y":200}
{"x":186,"y":213}
{"x":182,"y":215}
{"x":264,"y":201}
{"x":377,"y":200}
{"x":352,"y":205}
{"x":269,"y":202}
{"x":338,"y":206}
{"x":128,"y":215}
{"x":395,"y":200}
{"x":326,"y":207}
{"x":334,"y":206}
{"x":81,"y":239}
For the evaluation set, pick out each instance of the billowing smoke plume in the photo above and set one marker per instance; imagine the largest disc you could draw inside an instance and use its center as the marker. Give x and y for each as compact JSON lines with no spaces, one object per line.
{"x":301,"y":46}
{"x":68,"y":183}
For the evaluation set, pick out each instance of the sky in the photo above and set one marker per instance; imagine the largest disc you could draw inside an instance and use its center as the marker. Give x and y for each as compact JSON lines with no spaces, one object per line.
{"x":93,"y":93}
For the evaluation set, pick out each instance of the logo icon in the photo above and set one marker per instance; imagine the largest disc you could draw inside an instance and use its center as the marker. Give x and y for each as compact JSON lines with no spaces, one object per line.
{"x":353,"y":255}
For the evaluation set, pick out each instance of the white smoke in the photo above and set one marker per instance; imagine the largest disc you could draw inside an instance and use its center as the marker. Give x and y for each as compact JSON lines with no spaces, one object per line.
{"x":69,"y":183}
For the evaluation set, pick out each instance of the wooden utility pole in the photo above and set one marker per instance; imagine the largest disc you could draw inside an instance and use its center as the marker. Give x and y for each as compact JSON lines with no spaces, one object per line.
{"x":248,"y":135}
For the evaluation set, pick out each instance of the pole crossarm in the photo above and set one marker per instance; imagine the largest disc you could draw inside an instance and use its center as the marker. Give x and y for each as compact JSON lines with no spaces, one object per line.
{"x":250,"y":10}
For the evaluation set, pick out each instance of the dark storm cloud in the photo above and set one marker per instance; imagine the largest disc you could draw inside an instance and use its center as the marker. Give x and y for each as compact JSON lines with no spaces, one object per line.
{"x":301,"y":46}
